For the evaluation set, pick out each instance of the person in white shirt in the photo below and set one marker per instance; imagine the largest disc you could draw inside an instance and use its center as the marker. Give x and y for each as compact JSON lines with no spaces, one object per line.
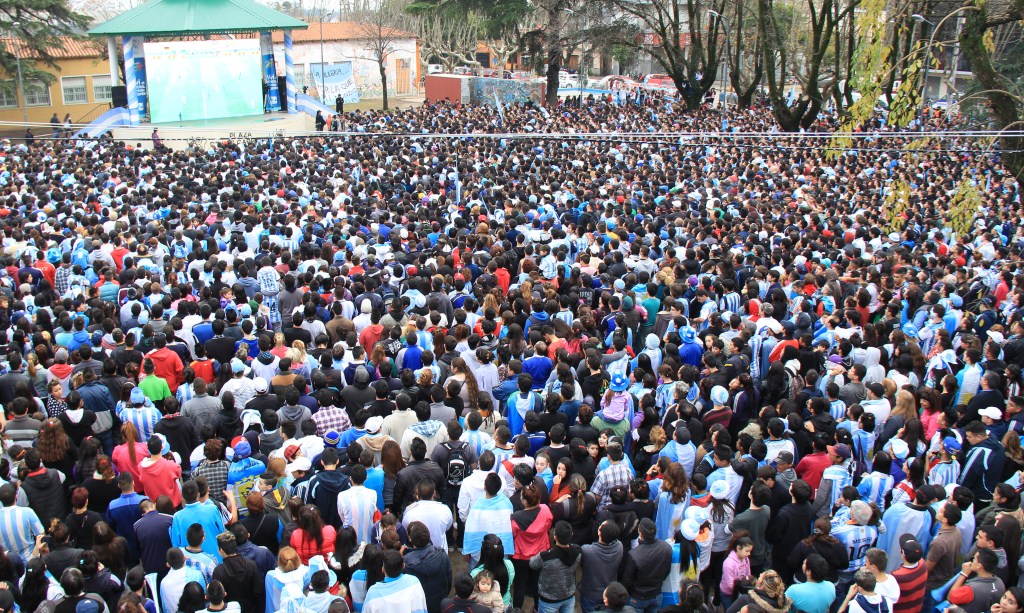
{"x":436,"y":516}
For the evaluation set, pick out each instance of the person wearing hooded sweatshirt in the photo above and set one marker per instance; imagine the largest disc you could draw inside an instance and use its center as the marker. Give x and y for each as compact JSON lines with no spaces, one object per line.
{"x":530,"y":534}
{"x":239,"y":575}
{"x":429,"y":564}
{"x":359,"y":394}
{"x":44,"y":489}
{"x":325,"y":486}
{"x":601,"y":561}
{"x":556,"y":570}
{"x":430,"y":431}
{"x":290,"y":571}
{"x":265,"y":365}
{"x":292,"y":410}
{"x":375,"y":438}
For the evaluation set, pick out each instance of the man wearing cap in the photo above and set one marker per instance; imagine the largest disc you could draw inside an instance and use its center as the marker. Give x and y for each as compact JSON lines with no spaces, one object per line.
{"x":911,"y":577}
{"x":239,"y":385}
{"x":993,"y":420}
{"x":833,"y":479}
{"x":947,"y":469}
{"x":140,"y":413}
{"x":876,"y":403}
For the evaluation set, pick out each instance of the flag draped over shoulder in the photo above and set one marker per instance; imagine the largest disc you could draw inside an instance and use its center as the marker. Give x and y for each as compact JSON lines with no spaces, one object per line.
{"x":489,"y":516}
{"x":403,"y":593}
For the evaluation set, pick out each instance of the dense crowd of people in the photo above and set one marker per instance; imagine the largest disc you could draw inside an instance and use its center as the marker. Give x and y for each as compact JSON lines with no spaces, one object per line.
{"x":674,"y":372}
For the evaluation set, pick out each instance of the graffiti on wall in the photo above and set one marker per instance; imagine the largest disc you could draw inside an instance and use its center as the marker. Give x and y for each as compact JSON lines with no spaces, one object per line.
{"x":483,"y":90}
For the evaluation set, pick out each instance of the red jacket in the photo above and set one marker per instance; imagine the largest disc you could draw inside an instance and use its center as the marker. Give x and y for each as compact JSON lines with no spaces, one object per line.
{"x":168,"y":366}
{"x":811,"y":467}
{"x":533,"y":538}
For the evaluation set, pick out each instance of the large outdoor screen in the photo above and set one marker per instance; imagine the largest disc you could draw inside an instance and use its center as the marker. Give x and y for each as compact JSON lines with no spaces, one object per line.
{"x":203,"y":79}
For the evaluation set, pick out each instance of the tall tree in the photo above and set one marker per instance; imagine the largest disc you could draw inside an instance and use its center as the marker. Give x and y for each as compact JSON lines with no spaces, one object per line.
{"x":679,"y":36}
{"x":40,"y":26}
{"x":380,"y":27}
{"x":782,"y":60}
{"x":977,"y":44}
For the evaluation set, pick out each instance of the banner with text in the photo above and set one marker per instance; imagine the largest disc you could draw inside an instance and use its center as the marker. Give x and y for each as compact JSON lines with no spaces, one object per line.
{"x":336,"y":80}
{"x":272,"y":97}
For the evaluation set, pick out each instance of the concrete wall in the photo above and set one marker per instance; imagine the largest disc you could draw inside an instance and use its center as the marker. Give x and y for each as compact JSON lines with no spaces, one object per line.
{"x":88,"y":68}
{"x":364,"y":68}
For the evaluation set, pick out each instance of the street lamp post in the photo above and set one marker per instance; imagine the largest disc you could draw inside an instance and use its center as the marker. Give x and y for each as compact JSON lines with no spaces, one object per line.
{"x":21,"y":84}
{"x":931,"y":41}
{"x":725,"y":85}
{"x":323,"y":66}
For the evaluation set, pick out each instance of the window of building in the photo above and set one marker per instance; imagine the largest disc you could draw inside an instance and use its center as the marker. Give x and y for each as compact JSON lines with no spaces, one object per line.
{"x":37,"y":93}
{"x":8,"y":95}
{"x":101,"y":88}
{"x":74,"y":90}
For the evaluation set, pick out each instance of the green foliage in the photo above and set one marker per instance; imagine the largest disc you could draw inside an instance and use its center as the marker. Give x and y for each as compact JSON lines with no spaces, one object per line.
{"x":963,"y":207}
{"x":41,"y":24}
{"x":897,"y":202}
{"x":905,"y":100}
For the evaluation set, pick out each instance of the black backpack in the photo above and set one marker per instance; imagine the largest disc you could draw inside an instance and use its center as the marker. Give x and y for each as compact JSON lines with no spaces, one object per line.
{"x":457,"y":467}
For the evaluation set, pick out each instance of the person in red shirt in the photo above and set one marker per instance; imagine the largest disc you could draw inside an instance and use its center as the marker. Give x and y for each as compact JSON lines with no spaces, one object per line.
{"x":371,"y":334}
{"x":159,"y":475}
{"x":167,"y":364}
{"x":45,"y":267}
{"x":811,"y":467}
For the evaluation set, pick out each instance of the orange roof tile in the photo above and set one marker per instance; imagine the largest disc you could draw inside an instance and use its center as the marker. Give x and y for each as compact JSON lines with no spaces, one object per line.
{"x":335,"y":31}
{"x":69,"y":48}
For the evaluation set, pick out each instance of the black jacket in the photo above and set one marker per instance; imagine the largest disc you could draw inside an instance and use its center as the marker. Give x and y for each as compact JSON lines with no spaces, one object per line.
{"x":434,"y":570}
{"x":409,"y":477}
{"x":181,"y":436}
{"x":242,"y":582}
{"x":45,"y":494}
{"x":792,"y":525}
{"x":647,"y":566}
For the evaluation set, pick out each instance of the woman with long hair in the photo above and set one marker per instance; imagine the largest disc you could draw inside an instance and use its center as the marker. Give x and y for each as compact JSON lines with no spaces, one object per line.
{"x":470,"y":391}
{"x":769,"y":594}
{"x":493,"y":560}
{"x":86,"y":464}
{"x":824,"y":544}
{"x":722,"y":512}
{"x":905,"y":409}
{"x":55,"y":448}
{"x":673,"y":499}
{"x":111,"y":549}
{"x":560,"y":482}
{"x":100,"y":581}
{"x":348,"y":551}
{"x":193,"y":598}
{"x":1014,"y":381}
{"x":1012,"y":601}
{"x":127,"y":455}
{"x":102,"y":485}
{"x":931,"y":406}
{"x":579,"y":509}
{"x":312,"y":537}
{"x":1014,"y":462}
{"x":371,"y":572}
{"x":904,"y":490}
{"x":391,"y":461}
{"x":37,"y":585}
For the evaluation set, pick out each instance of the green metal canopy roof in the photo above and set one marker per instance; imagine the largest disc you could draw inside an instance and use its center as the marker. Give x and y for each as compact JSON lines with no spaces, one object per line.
{"x":185,"y":17}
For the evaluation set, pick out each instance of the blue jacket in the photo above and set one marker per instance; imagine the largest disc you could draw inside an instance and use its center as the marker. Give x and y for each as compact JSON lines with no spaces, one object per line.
{"x":97,"y":398}
{"x":122,"y":513}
